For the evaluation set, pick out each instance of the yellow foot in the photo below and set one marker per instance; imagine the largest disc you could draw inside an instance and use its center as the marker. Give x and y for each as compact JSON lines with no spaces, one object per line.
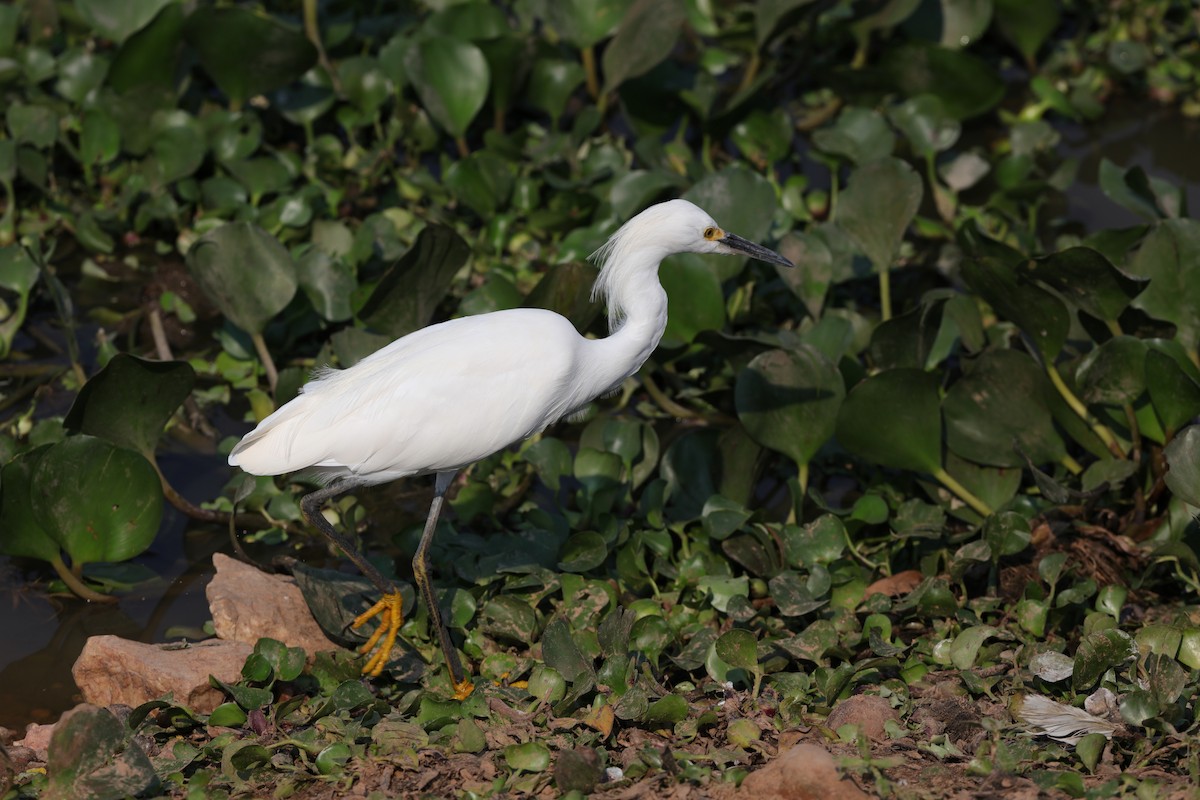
{"x":463,"y":689}
{"x":390,"y":610}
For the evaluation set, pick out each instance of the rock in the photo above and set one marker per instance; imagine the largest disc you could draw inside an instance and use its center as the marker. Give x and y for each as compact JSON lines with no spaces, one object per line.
{"x":37,"y":739}
{"x":113,"y":670}
{"x":247,"y":604}
{"x":868,"y":711}
{"x":805,"y":772}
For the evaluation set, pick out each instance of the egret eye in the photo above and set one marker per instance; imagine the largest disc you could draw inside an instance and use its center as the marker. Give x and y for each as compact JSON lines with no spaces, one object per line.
{"x":711,"y":233}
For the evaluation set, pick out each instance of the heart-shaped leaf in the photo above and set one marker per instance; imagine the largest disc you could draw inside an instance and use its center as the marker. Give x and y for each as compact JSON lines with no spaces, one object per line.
{"x":882,"y":198}
{"x":998,"y":410}
{"x":247,"y":54}
{"x":245,"y":271}
{"x":646,"y":36}
{"x":1170,"y":258}
{"x":1174,"y":390}
{"x":1088,"y":279}
{"x":1042,"y":316}
{"x":452,"y":79}
{"x":859,"y":135}
{"x":894,"y":419}
{"x":117,"y":21}
{"x":789,"y":401}
{"x":1114,"y":372}
{"x":1183,"y":456}
{"x":409,"y":292}
{"x":20,"y":532}
{"x":130,"y":400}
{"x":100,"y":502}
{"x":584,"y":23}
{"x":967,"y":85}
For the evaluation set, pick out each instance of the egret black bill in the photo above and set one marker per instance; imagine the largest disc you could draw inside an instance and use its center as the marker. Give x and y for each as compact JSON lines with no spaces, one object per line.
{"x":754,"y":250}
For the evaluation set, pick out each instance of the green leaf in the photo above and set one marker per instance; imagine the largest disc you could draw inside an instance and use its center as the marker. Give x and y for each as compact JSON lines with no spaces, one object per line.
{"x":1170,"y":258}
{"x":965,"y":647}
{"x":328,"y":283}
{"x":583,"y":551}
{"x":146,"y":61}
{"x":1088,"y":279}
{"x":967,"y":85}
{"x":738,"y":648}
{"x":1027,"y":26}
{"x":770,"y":16}
{"x":1042,"y":316}
{"x":408,"y":294}
{"x":924,"y":122}
{"x":789,"y":400}
{"x":527,"y":757}
{"x":1173,"y":390}
{"x":100,"y":502}
{"x":645,"y":37}
{"x":118,"y":20}
{"x":91,"y":755}
{"x":998,"y":411}
{"x":1183,"y":458}
{"x":561,"y":653}
{"x":245,"y":271}
{"x":666,"y":710}
{"x":130,"y":401}
{"x":452,"y":79}
{"x":99,"y":138}
{"x":584,"y":23}
{"x":743,"y":202}
{"x":551,"y":83}
{"x":247,"y":54}
{"x":35,"y":125}
{"x":1006,"y":533}
{"x":1114,"y":372}
{"x":20,"y":532}
{"x":894,"y":419}
{"x":1099,"y":652}
{"x":695,"y":302}
{"x":859,"y":135}
{"x":877,"y":206}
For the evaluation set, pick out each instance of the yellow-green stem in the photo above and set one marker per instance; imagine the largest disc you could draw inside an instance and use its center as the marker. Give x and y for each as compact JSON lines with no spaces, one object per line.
{"x":803,"y":479}
{"x":1081,"y":411}
{"x":78,"y":586}
{"x":751,"y":72}
{"x":588,"y":55}
{"x":962,"y":492}
{"x":662,"y":401}
{"x":885,"y":293}
{"x":463,"y":149}
{"x":1073,"y":466}
{"x":264,"y":355}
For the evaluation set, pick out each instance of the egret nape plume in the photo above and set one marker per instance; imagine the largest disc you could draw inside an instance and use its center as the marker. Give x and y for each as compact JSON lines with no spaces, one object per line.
{"x":441,"y":398}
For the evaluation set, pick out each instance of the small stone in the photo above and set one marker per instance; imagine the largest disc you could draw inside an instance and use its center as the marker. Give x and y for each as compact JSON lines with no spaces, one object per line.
{"x":805,"y":772}
{"x":37,"y":739}
{"x":247,"y":604}
{"x":868,"y":711}
{"x":114,"y":670}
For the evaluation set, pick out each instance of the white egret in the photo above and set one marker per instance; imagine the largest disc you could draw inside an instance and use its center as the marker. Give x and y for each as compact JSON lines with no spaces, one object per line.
{"x":441,"y":398}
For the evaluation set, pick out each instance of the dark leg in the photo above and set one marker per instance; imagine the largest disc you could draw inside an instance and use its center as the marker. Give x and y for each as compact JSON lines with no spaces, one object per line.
{"x":311,"y":505}
{"x":390,"y":606}
{"x":462,"y":686}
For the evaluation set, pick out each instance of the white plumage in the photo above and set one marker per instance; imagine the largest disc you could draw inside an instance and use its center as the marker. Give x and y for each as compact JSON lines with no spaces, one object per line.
{"x":448,"y":395}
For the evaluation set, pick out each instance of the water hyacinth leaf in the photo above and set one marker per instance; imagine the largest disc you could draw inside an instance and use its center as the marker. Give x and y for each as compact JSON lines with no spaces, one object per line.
{"x":147,"y":59}
{"x":99,"y":501}
{"x":562,"y":653}
{"x":583,"y":551}
{"x":409,"y":292}
{"x":584,"y":23}
{"x":789,"y":400}
{"x":99,"y":138}
{"x":646,"y":36}
{"x":1006,"y":534}
{"x":1170,"y":258}
{"x":666,"y":710}
{"x":998,"y":410}
{"x":738,"y":648}
{"x":552,"y":81}
{"x":482,"y":180}
{"x":1183,"y":457}
{"x":1114,"y":372}
{"x":527,"y":757}
{"x":1173,"y":391}
{"x":21,"y":534}
{"x":1042,"y":316}
{"x":907,"y":340}
{"x":245,"y":271}
{"x":1026,"y":26}
{"x":567,"y":290}
{"x":695,"y":302}
{"x":1088,"y":279}
{"x":18,"y":274}
{"x":859,"y":135}
{"x":247,"y":54}
{"x":1051,"y":666}
{"x":91,"y":755}
{"x":1134,"y":190}
{"x":966,"y":85}
{"x":771,"y":16}
{"x":924,"y":122}
{"x":894,"y":419}
{"x":452,"y":79}
{"x":877,"y":206}
{"x":118,"y":21}
{"x":1097,"y":653}
{"x":722,"y":516}
{"x":130,"y":401}
{"x":328,"y":283}
{"x":965,"y":648}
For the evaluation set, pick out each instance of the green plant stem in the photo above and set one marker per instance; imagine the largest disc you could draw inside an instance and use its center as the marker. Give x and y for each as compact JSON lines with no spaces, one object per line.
{"x":752,"y":68}
{"x":1073,"y":466}
{"x":1135,"y":432}
{"x":802,"y":479}
{"x":264,"y":355}
{"x":885,"y":293}
{"x":588,"y":56}
{"x":312,"y":29}
{"x":203,"y":514}
{"x":461,"y":143}
{"x":662,"y":401}
{"x":77,"y":586}
{"x":858,"y":556}
{"x":963,"y":493}
{"x":1081,"y":411}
